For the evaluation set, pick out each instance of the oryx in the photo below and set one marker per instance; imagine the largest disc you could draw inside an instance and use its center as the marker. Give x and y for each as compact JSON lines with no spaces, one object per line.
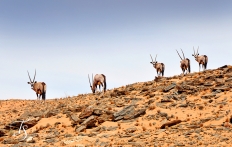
{"x":38,"y":87}
{"x":100,"y":80}
{"x":160,"y":67}
{"x":203,"y":59}
{"x":184,"y":63}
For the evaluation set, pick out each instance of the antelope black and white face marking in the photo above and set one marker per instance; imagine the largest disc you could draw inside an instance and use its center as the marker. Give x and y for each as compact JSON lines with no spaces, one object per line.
{"x":32,"y":84}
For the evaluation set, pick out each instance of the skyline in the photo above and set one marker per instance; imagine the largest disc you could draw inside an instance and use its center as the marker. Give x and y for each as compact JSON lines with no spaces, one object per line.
{"x":67,"y":40}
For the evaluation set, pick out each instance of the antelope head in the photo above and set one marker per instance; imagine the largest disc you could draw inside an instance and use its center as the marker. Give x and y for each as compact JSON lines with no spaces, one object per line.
{"x":91,"y":85}
{"x":153,"y":62}
{"x":31,"y":82}
{"x":195,"y":54}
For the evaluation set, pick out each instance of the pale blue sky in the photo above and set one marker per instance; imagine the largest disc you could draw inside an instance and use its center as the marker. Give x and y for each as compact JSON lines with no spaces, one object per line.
{"x":65,"y":40}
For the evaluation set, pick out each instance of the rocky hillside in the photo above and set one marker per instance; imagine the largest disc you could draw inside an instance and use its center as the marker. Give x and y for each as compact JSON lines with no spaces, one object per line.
{"x":191,"y":110}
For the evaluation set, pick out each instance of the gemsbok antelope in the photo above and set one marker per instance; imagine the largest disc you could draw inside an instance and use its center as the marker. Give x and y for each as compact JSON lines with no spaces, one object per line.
{"x":184,"y":63}
{"x":100,"y":80}
{"x":160,"y":67}
{"x":203,"y":59}
{"x":38,"y":87}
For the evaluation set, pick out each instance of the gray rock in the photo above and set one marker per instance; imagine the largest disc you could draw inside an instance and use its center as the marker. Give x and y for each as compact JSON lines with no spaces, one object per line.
{"x":131,"y":130}
{"x":17,"y":124}
{"x":229,"y":79}
{"x":112,"y":128}
{"x":126,"y":110}
{"x":98,"y":111}
{"x":86,"y":112}
{"x":104,"y":144}
{"x":30,"y":139}
{"x":10,"y":141}
{"x":183,"y":105}
{"x":208,"y":96}
{"x":208,"y":84}
{"x":74,"y":118}
{"x":163,"y":114}
{"x":135,"y":114}
{"x":222,"y":88}
{"x":168,"y":88}
{"x":68,"y":135}
{"x":80,"y":129}
{"x":50,"y":140}
{"x":90,"y":121}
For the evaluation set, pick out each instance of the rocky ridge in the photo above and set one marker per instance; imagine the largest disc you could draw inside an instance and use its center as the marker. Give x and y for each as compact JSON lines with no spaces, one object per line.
{"x":191,"y":110}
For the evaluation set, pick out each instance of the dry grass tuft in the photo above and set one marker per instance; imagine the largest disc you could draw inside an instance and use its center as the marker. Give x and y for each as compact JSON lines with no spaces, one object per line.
{"x":144,"y":128}
{"x":151,"y":107}
{"x":136,"y":124}
{"x":221,"y":106}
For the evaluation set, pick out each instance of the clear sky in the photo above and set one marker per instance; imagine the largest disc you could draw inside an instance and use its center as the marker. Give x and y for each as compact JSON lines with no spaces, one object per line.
{"x":65,"y":40}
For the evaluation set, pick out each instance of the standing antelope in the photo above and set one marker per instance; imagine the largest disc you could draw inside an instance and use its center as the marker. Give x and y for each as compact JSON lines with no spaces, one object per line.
{"x":184,"y":63}
{"x":100,"y":80}
{"x":38,"y":87}
{"x":203,"y":59}
{"x":158,"y":66}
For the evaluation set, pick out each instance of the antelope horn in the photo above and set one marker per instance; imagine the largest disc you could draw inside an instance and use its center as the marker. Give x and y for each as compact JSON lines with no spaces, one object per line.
{"x":29,"y":76}
{"x":89,"y":80}
{"x":151,"y":58}
{"x":194,"y":50}
{"x":183,"y":53}
{"x":179,"y":55}
{"x":155,"y":57}
{"x":92,"y":78}
{"x":197,"y":49}
{"x":34,"y":76}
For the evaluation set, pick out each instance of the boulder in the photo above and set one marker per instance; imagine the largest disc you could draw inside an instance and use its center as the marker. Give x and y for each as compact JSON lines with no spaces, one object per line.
{"x":16,"y":124}
{"x":128,"y":112}
{"x":125,"y":111}
{"x":208,"y":96}
{"x":86,"y":112}
{"x":168,"y":88}
{"x":171,"y":123}
{"x":222,"y":88}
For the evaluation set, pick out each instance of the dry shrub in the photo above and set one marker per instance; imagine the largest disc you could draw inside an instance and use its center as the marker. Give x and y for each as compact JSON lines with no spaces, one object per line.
{"x":64,"y":126}
{"x":136,"y":124}
{"x":201,"y":125}
{"x":119,"y":126}
{"x":144,"y":128}
{"x":151,"y":107}
{"x":221,"y":106}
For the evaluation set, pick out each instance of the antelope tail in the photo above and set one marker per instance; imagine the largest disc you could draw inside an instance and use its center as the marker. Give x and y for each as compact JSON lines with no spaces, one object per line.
{"x":104,"y":82}
{"x":163,"y":68}
{"x":189,"y":67}
{"x":206,"y":61}
{"x":44,"y":91}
